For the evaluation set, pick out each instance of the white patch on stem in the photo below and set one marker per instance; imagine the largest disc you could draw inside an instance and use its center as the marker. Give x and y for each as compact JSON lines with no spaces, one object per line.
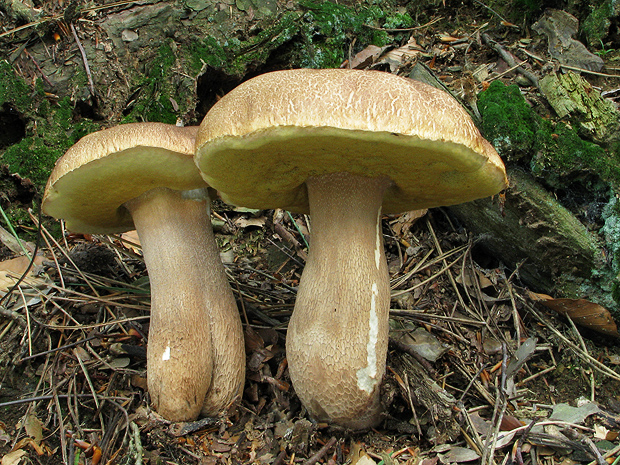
{"x":166,"y":355}
{"x":367,"y":376}
{"x":378,"y":243}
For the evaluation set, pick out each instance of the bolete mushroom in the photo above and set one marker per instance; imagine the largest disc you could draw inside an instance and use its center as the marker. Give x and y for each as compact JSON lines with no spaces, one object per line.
{"x":142,"y":175}
{"x":346,"y":146}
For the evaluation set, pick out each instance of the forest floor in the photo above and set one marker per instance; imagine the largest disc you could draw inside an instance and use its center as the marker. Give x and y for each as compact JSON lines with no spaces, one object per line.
{"x":479,"y":370}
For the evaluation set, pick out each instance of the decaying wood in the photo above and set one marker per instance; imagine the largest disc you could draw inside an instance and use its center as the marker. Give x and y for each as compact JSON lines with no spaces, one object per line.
{"x":532,"y":230}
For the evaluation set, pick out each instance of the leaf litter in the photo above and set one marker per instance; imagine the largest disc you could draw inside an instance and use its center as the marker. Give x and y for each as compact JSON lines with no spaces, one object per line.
{"x":83,"y":354}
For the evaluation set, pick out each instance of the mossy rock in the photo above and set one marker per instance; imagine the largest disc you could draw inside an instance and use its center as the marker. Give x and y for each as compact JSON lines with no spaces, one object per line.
{"x":552,"y":151}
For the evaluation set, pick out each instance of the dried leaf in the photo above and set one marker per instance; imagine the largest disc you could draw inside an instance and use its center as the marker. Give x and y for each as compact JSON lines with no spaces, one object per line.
{"x":582,"y":312}
{"x":364,"y":460}
{"x":458,"y":455}
{"x":404,"y":222}
{"x":12,"y":269}
{"x":614,"y":359}
{"x":600,"y":432}
{"x":358,"y":455}
{"x":509,"y":423}
{"x":33,"y":427}
{"x":131,"y":241}
{"x":4,"y":436}
{"x":243,"y":222}
{"x":121,"y":362}
{"x":13,"y":458}
{"x":423,"y":343}
{"x":505,"y":438}
{"x":481,"y":425}
{"x":520,"y":356}
{"x":366,"y":57}
{"x":466,"y":279}
{"x":400,"y":56}
{"x":570,"y":414}
{"x":13,"y":244}
{"x":448,"y":39}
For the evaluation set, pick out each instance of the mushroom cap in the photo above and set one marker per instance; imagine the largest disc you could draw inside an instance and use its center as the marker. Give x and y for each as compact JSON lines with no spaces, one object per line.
{"x":260,"y":142}
{"x":103,"y":170}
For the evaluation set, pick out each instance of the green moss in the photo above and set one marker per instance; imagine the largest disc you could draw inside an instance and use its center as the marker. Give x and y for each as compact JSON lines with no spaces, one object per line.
{"x":398,"y":21}
{"x":13,"y":89}
{"x":318,"y":38}
{"x":508,"y":122}
{"x":328,"y":29}
{"x":259,"y":48}
{"x":207,"y":51}
{"x":34,"y":156}
{"x":596,"y":26}
{"x":156,"y":90}
{"x":50,"y":128}
{"x":554,"y":152}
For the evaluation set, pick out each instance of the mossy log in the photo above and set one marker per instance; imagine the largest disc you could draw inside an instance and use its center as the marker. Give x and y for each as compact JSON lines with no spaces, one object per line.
{"x":553,"y":251}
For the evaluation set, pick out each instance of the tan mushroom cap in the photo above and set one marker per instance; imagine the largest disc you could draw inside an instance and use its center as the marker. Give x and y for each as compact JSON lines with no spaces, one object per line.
{"x":260,"y":142}
{"x":105,"y":169}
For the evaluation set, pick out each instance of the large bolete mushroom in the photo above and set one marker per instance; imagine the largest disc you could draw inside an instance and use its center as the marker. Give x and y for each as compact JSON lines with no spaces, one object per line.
{"x":346,"y":146}
{"x":143,"y":175}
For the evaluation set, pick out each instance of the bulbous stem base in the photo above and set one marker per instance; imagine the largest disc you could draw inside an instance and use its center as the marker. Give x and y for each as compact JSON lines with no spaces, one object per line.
{"x":195,"y":356}
{"x":338,"y":334}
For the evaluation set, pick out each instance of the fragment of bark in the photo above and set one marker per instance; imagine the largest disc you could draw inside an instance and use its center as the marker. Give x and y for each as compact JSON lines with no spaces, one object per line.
{"x":20,"y":11}
{"x":571,"y":96}
{"x":559,"y":27}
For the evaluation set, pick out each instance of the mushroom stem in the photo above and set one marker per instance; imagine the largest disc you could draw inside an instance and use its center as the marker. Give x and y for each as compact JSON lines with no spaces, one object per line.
{"x":338,"y":334}
{"x":190,"y":299}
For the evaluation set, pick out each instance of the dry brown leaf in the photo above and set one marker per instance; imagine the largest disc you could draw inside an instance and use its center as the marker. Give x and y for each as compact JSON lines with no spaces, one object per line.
{"x":448,"y":39}
{"x":131,"y":241}
{"x":34,"y":428}
{"x":13,"y":244}
{"x":25,"y":442}
{"x":405,"y":221}
{"x":582,"y":312}
{"x":13,"y":458}
{"x":366,"y":57}
{"x":243,"y":222}
{"x":467,"y":279}
{"x":12,"y":269}
{"x":510,"y":422}
{"x":402,"y":55}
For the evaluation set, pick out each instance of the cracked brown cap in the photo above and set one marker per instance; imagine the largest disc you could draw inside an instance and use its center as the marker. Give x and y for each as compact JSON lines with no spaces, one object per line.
{"x":105,"y":169}
{"x":260,"y":142}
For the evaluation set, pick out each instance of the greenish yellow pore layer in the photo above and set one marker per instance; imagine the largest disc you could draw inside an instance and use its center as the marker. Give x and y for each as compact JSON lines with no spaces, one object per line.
{"x":268,"y":168}
{"x":90,"y":198}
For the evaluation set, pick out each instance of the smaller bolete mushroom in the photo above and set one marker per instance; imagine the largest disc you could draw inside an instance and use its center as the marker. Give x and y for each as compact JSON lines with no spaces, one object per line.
{"x":143,"y":176}
{"x":346,"y":146}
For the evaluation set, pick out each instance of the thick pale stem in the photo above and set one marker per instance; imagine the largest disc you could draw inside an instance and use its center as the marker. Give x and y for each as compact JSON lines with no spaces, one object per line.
{"x":195,"y":356}
{"x":337,"y":337}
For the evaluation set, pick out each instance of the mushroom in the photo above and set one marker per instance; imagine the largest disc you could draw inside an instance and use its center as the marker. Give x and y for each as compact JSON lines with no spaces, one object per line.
{"x":345,"y":145}
{"x":142,"y":175}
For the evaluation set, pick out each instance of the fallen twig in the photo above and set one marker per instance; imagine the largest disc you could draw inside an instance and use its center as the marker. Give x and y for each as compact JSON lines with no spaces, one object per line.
{"x":85,"y":60}
{"x":508,"y":58}
{"x":316,"y":457}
